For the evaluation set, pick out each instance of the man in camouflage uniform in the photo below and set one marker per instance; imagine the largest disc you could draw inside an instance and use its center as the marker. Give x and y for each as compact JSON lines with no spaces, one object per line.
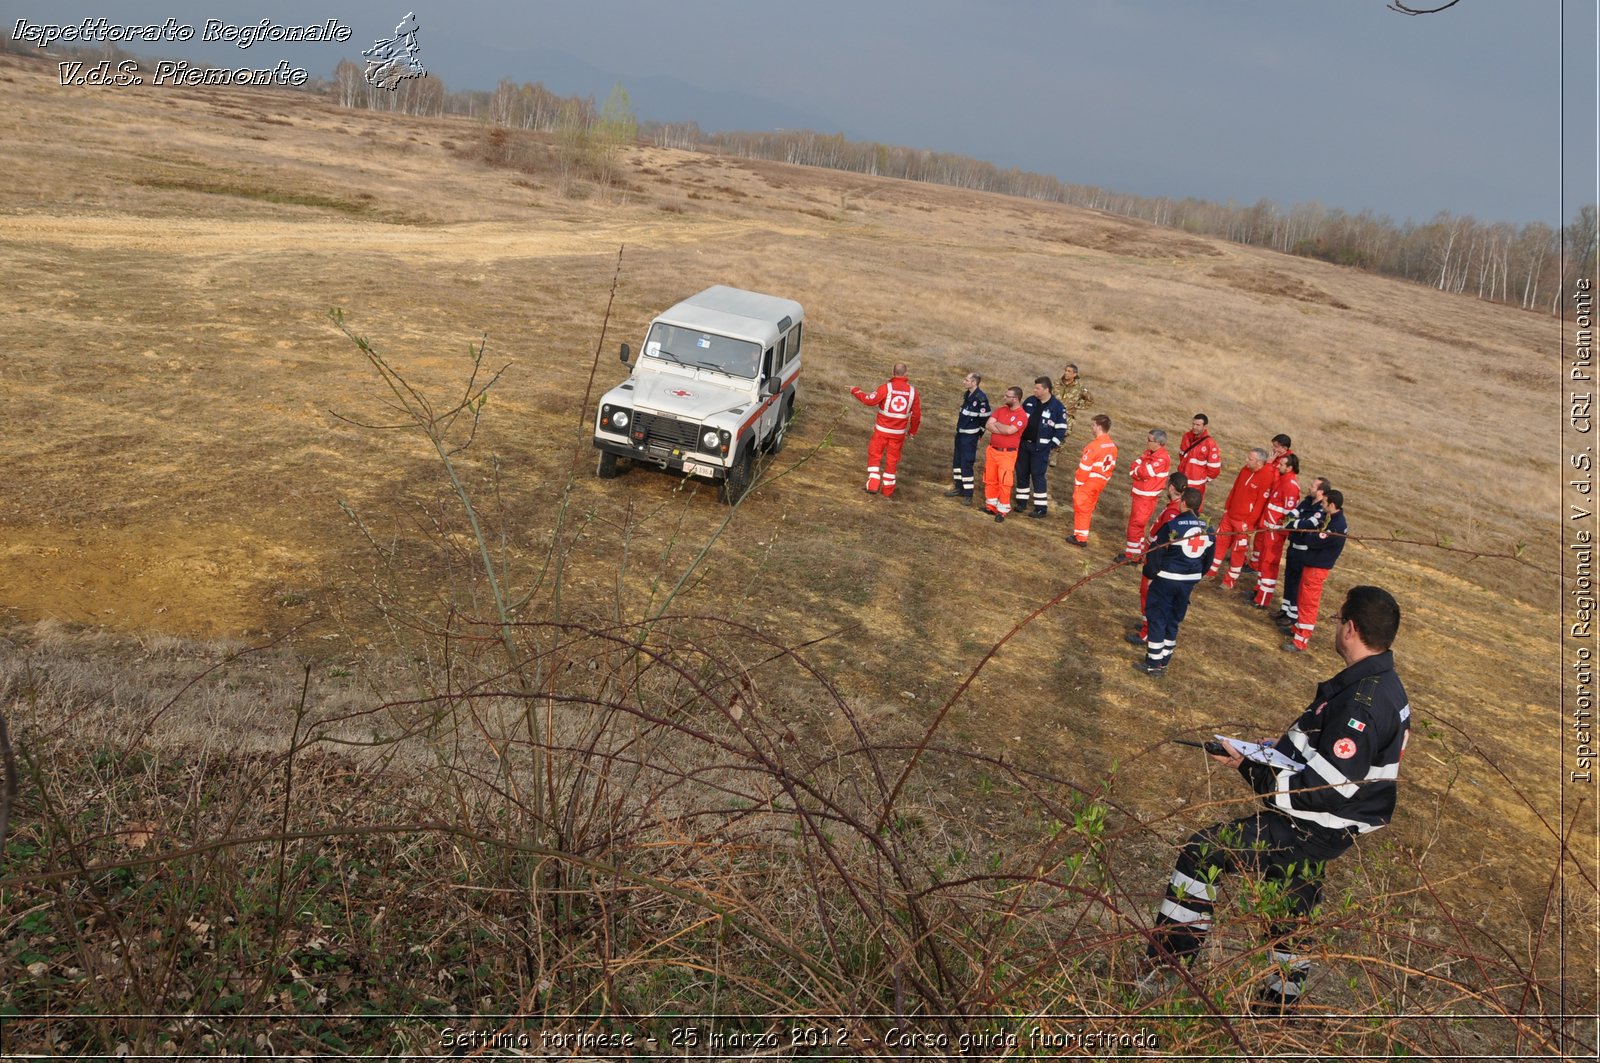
{"x":1074,"y":397}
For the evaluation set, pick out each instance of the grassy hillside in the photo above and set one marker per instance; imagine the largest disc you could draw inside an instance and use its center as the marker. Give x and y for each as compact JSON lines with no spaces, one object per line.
{"x":189,"y":475}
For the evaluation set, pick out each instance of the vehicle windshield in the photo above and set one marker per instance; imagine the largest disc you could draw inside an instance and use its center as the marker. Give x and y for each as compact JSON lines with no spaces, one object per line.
{"x":704,"y":350}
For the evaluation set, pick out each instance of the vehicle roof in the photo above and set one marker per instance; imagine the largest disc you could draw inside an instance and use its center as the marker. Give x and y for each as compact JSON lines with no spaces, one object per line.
{"x":736,"y":313}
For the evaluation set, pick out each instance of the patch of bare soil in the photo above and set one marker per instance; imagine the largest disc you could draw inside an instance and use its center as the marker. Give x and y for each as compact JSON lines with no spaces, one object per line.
{"x":1134,"y":241}
{"x":1273,"y":282}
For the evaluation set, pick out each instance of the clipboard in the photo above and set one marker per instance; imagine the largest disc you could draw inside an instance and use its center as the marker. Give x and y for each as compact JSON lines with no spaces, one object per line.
{"x":1262,"y":754}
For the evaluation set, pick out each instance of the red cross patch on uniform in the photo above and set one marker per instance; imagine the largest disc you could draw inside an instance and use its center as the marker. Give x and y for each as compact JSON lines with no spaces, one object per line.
{"x":1344,"y":749}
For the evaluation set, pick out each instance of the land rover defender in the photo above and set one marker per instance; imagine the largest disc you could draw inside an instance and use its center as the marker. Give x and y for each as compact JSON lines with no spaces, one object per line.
{"x":715,"y":381}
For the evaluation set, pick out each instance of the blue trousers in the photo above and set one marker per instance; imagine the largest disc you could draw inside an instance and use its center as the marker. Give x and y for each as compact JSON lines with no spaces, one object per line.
{"x":1164,"y":609}
{"x":1032,"y":465}
{"x":966,"y":455}
{"x":1292,"y":568}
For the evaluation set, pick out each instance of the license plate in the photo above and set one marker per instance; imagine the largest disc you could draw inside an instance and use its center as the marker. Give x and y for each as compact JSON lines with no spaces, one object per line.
{"x":691,"y":468}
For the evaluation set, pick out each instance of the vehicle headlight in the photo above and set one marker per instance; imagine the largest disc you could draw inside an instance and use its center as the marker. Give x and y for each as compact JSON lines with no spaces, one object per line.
{"x":710,"y":439}
{"x":619,"y":418}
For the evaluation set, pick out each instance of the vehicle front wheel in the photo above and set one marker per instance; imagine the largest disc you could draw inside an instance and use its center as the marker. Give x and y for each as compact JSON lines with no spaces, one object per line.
{"x":607,"y":469}
{"x":740,"y":476}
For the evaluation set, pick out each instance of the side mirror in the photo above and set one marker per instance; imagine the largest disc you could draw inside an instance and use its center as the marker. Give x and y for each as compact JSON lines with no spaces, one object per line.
{"x":772,"y":386}
{"x":626,"y":354}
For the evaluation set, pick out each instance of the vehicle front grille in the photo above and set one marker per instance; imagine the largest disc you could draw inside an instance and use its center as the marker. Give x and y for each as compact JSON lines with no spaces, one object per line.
{"x":655,"y":430}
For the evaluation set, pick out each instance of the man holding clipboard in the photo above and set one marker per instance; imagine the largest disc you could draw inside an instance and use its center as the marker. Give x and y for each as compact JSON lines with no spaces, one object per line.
{"x":1330,"y":778}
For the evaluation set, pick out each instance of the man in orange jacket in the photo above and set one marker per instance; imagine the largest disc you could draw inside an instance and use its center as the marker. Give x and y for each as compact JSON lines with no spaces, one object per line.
{"x":1241,"y":513}
{"x":899,"y":417}
{"x":1095,"y":467}
{"x":1149,"y":472}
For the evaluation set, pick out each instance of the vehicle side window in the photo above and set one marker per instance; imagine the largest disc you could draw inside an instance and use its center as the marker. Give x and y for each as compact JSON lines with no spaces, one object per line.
{"x":794,"y":343}
{"x":782,"y":358}
{"x":767,"y":364}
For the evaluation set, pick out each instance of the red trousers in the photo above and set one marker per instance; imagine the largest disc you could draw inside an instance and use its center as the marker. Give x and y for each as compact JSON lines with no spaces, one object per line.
{"x":1139,"y":515}
{"x":999,"y":475}
{"x":1233,"y":539}
{"x":1270,"y":555}
{"x":1311,"y":581}
{"x":1084,"y":499}
{"x":883,"y":455}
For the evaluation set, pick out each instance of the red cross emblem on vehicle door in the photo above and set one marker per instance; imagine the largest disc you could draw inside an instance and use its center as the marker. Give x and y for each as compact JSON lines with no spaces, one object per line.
{"x":898,"y":404}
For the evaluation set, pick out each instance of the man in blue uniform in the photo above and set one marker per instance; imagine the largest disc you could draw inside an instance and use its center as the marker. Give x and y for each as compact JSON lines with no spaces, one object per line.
{"x":1302,"y":519}
{"x":1047,"y":429}
{"x":1323,"y":546}
{"x":1345,"y":754}
{"x":1179,"y":554}
{"x":974,"y":415}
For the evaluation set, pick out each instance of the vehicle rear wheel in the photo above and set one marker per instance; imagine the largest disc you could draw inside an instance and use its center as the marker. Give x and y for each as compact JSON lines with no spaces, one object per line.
{"x":607,"y":469}
{"x":740,"y":476}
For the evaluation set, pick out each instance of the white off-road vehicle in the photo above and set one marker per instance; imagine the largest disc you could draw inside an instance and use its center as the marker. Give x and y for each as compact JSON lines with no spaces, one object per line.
{"x":714,"y":383}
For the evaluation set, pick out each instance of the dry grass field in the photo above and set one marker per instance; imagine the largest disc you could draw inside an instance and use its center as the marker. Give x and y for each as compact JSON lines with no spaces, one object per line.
{"x":183,"y":470}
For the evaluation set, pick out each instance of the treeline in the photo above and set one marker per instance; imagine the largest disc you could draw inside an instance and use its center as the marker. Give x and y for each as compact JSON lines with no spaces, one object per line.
{"x":1530,"y":265}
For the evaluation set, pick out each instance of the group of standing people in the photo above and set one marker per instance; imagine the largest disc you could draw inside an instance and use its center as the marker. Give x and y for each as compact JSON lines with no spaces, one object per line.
{"x":1336,"y":778}
{"x":1265,"y":524}
{"x":1025,"y":436}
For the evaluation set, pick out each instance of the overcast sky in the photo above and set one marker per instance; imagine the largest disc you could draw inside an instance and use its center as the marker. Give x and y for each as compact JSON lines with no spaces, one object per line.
{"x":1339,"y":101}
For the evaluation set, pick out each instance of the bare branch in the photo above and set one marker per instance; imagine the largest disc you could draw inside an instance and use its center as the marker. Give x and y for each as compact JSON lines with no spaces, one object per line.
{"x":9,"y":795}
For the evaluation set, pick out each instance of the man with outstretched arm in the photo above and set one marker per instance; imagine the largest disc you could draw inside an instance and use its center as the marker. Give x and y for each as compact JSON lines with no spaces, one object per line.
{"x":899,"y":416}
{"x":1347,"y":746}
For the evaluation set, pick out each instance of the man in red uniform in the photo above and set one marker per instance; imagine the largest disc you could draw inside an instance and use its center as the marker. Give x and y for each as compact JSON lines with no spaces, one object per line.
{"x":1199,"y":459}
{"x":1149,"y":474}
{"x":1000,"y":460}
{"x":1095,"y":467}
{"x":1280,"y":444}
{"x":1175,"y":486}
{"x":899,"y":416}
{"x":1241,"y":514}
{"x":1283,"y":497}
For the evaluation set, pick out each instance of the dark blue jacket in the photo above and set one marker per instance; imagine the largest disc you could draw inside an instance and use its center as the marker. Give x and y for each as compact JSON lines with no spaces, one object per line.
{"x":1350,"y":739}
{"x":1324,"y":541}
{"x":1047,"y":423}
{"x":975,"y":411}
{"x":1181,"y":549}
